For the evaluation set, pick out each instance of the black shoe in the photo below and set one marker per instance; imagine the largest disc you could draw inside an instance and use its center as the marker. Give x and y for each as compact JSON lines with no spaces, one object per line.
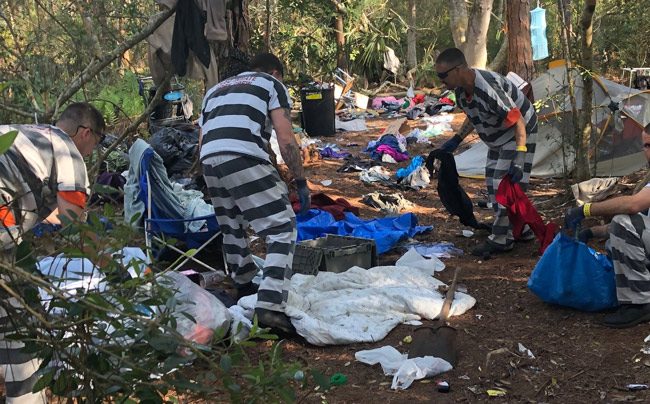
{"x":275,"y":320}
{"x":528,"y":235}
{"x":628,"y":315}
{"x":245,"y":289}
{"x":489,"y":247}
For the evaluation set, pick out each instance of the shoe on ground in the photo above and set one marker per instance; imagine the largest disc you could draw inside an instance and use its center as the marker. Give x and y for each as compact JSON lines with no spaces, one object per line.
{"x":528,"y":235}
{"x":275,"y":320}
{"x":628,"y":315}
{"x":489,"y":247}
{"x":245,"y":289}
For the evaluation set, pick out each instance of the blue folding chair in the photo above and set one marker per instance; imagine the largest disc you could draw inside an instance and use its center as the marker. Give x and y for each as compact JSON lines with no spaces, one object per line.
{"x":164,"y":218}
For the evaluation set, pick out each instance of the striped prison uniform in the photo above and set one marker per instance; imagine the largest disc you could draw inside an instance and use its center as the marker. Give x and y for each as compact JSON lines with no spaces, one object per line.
{"x":629,"y":248}
{"x":493,"y":109}
{"x":42,"y":164}
{"x":245,"y":188}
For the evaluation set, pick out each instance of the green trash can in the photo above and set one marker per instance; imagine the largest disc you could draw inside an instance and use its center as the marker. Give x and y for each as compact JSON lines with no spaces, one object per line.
{"x":318,"y":111}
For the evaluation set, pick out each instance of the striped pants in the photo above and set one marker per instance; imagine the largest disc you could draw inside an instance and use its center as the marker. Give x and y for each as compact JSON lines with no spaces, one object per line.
{"x":498,"y":163}
{"x":247,"y":192}
{"x":19,"y":368}
{"x":629,"y":247}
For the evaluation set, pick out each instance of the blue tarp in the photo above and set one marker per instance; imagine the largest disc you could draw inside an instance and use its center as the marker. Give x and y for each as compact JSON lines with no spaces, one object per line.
{"x":386,"y":232}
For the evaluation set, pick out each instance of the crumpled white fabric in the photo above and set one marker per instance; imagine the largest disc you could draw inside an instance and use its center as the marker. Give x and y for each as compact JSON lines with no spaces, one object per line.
{"x":413,"y":259}
{"x":418,"y":178}
{"x":374,"y":174}
{"x":404,"y":371}
{"x":363,"y":305}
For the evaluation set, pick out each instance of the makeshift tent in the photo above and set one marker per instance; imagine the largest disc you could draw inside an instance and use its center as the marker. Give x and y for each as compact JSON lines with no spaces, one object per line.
{"x":617,"y":134}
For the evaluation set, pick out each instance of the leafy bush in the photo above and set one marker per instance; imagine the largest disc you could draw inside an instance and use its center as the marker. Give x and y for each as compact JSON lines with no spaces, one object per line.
{"x":120,"y":99}
{"x":121,"y":343}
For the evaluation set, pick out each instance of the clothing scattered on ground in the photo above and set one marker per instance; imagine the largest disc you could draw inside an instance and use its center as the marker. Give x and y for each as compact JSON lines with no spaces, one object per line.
{"x":594,"y":190}
{"x":521,"y":212}
{"x":441,"y":249}
{"x":386,"y":232}
{"x":353,"y":163}
{"x":375,"y":174}
{"x":451,"y":194}
{"x":322,"y":201}
{"x":333,"y":153}
{"x":390,"y":144}
{"x":387,"y":203}
{"x":415,"y":163}
{"x":418,"y":179}
{"x":363,"y":305}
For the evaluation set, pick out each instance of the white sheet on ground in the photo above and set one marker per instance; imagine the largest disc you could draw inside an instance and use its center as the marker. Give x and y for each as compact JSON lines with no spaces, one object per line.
{"x":404,"y":371}
{"x":363,"y":305}
{"x":75,"y":276}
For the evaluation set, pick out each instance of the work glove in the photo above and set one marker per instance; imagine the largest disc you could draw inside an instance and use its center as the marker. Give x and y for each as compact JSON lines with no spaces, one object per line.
{"x":516,"y":169}
{"x":585,"y":235}
{"x":452,"y":144}
{"x":303,"y":196}
{"x":573,"y":217}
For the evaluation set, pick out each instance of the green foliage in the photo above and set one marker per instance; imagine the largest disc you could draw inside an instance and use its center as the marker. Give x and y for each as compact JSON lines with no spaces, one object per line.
{"x":120,"y":343}
{"x":6,"y":140}
{"x":120,"y":100}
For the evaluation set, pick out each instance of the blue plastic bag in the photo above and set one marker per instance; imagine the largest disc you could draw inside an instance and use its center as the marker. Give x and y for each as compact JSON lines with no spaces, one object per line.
{"x":572,"y":274}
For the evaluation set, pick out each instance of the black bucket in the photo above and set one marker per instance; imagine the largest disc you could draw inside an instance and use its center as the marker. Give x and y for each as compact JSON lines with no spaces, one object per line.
{"x":318,"y":111}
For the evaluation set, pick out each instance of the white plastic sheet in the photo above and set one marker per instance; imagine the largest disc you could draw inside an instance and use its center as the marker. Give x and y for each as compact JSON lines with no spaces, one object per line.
{"x":404,"y":371}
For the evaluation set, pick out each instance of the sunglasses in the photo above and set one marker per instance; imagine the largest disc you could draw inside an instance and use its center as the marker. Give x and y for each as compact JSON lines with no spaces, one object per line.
{"x":443,"y":75}
{"x":101,"y":136}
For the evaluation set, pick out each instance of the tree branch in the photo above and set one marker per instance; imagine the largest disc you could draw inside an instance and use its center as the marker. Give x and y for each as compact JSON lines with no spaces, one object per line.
{"x":97,"y":65}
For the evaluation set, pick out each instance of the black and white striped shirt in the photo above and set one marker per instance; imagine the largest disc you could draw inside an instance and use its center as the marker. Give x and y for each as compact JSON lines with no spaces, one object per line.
{"x":235,"y":115}
{"x":494,"y":105}
{"x":42,"y":161}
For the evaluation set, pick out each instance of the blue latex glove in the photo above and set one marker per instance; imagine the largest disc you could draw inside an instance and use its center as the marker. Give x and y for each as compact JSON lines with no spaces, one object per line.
{"x":452,"y":144}
{"x":516,"y":170}
{"x":573,"y":217}
{"x":303,"y":196}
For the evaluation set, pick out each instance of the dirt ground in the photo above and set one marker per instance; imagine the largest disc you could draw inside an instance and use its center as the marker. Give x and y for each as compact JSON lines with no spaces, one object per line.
{"x":576,"y":360}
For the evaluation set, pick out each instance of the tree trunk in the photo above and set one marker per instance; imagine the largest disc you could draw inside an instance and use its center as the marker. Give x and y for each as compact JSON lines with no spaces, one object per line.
{"x":520,"y":53}
{"x":267,"y":28}
{"x":587,"y":56}
{"x":475,"y":48}
{"x":411,"y":37}
{"x":500,"y":62}
{"x":458,"y":20}
{"x":564,"y":15}
{"x":341,"y":59}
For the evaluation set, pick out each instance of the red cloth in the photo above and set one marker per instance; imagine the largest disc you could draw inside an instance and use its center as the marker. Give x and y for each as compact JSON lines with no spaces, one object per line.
{"x":323,"y":202}
{"x":521,"y":212}
{"x":418,"y":99}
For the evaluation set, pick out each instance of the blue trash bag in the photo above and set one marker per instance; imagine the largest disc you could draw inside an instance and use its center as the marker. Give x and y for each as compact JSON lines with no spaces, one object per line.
{"x":572,"y":274}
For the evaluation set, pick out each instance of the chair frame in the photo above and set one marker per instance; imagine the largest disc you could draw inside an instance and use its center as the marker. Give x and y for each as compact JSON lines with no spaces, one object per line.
{"x":150,"y":236}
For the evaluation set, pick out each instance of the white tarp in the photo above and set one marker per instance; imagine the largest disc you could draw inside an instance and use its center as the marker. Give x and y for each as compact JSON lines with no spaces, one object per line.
{"x":363,"y":305}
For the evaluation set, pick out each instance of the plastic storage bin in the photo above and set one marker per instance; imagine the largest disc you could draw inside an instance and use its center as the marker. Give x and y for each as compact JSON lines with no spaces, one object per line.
{"x":334,"y":254}
{"x":318,"y":111}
